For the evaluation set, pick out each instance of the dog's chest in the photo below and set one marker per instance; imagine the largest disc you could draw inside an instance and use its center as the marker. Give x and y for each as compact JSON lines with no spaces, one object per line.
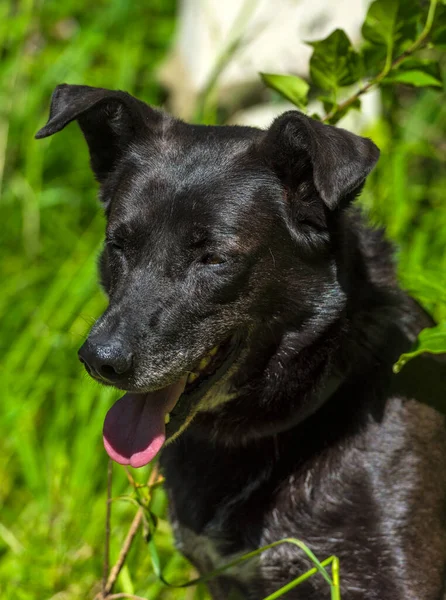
{"x":213,"y":529}
{"x":207,"y":552}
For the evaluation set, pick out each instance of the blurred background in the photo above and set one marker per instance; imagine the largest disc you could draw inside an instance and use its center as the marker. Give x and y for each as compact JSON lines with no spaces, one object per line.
{"x":199,"y":59}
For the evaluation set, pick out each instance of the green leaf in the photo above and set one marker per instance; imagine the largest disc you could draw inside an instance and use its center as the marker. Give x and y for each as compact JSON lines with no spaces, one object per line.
{"x":427,"y":65}
{"x":416,"y":78}
{"x":410,"y":21}
{"x":334,"y":62}
{"x":432,"y":340}
{"x":153,"y":551}
{"x":373,"y":58}
{"x":380,"y":22}
{"x":439,"y":38}
{"x":438,"y":32}
{"x":426,"y":288}
{"x":389,"y":28}
{"x":295,"y":89}
{"x":338,"y":113}
{"x":125,"y":581}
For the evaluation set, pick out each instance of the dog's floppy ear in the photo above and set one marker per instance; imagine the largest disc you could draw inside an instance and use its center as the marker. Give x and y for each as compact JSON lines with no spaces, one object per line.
{"x":340,"y":160}
{"x":110,"y":121}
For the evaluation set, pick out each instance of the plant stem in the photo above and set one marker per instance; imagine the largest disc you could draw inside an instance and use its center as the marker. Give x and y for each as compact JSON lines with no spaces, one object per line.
{"x":336,"y":589}
{"x":107,"y":527}
{"x":289,"y":586}
{"x":109,"y":580}
{"x":319,"y":567}
{"x":114,"y":573}
{"x":388,"y":67}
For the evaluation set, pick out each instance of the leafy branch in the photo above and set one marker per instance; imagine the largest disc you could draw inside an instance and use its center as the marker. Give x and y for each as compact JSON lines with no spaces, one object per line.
{"x":345,"y":105}
{"x":391,"y":38}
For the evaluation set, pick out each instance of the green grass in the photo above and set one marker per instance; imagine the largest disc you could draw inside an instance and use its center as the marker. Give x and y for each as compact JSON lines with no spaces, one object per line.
{"x":406,"y":192}
{"x":53,"y":470}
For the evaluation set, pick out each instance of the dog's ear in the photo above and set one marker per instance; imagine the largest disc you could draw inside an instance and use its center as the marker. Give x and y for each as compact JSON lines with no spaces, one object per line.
{"x":110,"y":121}
{"x":340,"y":160}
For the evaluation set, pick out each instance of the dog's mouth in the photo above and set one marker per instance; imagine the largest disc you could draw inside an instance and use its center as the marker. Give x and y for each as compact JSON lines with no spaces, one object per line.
{"x":136,"y":426}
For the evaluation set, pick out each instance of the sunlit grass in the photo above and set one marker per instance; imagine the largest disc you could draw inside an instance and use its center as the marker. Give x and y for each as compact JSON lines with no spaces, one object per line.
{"x":53,"y":468}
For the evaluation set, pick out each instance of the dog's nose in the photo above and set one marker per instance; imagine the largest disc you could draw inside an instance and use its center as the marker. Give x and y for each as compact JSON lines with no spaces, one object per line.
{"x":110,"y":361}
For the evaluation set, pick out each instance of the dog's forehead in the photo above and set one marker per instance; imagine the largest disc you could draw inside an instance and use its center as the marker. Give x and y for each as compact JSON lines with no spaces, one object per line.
{"x":207,"y":179}
{"x":184,"y":151}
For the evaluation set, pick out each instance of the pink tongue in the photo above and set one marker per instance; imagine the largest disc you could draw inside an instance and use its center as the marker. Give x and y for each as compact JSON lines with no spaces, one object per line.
{"x":134,"y":429}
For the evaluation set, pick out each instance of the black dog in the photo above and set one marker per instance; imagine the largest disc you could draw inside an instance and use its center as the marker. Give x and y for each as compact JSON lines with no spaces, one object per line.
{"x":253,"y":312}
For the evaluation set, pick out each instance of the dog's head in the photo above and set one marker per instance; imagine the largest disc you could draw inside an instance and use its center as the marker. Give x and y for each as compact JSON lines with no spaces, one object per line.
{"x":214,"y":235}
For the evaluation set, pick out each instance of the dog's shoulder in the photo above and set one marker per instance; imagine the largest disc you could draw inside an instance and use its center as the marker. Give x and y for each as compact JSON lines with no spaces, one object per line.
{"x":368,"y":501}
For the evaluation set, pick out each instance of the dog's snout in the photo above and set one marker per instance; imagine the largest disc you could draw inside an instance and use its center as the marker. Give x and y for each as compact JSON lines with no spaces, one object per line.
{"x":109,"y":360}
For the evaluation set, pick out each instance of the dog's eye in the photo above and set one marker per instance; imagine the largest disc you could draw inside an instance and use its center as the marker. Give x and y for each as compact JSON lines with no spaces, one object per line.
{"x":115,"y":245}
{"x":212,"y":258}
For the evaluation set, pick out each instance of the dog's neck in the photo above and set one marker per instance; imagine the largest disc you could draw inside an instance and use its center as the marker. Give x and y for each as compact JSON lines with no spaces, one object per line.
{"x":275,"y":388}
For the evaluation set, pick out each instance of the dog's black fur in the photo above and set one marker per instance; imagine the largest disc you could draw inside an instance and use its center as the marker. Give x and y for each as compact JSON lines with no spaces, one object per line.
{"x":217,"y":233}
